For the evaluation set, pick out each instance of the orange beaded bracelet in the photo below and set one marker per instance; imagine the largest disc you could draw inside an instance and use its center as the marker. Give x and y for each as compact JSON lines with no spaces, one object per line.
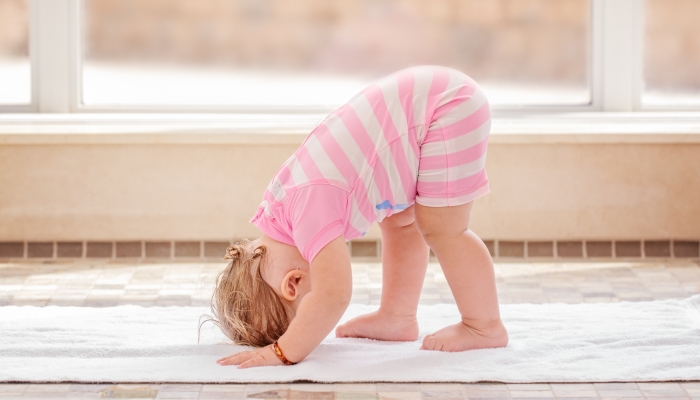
{"x":280,"y":355}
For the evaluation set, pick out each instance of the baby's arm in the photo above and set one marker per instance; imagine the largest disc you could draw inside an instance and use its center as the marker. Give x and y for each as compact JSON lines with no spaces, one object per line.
{"x":317,"y":314}
{"x":321,"y":309}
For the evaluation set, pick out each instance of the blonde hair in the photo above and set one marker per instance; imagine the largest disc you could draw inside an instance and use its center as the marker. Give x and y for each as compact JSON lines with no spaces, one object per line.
{"x":243,"y":305}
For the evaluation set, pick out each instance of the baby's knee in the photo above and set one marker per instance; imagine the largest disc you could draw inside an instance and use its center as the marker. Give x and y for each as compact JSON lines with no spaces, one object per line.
{"x":433,"y":231}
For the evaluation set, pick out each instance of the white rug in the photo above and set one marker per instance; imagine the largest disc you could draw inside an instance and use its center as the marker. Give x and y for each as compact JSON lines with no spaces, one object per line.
{"x":650,"y":341}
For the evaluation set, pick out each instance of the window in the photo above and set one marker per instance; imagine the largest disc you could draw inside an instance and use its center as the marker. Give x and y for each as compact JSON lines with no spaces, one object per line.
{"x":309,"y":56}
{"x":15,"y":76}
{"x":281,"y":53}
{"x":524,"y":52}
{"x":672,"y":53}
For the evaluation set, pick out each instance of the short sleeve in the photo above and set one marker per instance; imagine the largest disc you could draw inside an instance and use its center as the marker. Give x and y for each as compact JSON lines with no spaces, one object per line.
{"x":317,"y":215}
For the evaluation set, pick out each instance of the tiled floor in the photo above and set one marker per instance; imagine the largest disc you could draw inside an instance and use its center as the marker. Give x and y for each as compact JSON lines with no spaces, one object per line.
{"x":109,"y":284}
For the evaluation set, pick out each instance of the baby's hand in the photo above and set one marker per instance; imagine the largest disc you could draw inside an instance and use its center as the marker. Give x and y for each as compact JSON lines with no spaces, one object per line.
{"x":256,"y":358}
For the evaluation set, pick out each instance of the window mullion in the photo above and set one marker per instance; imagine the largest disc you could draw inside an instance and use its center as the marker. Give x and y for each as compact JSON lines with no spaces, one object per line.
{"x":596,"y":53}
{"x":51,"y":20}
{"x":620,"y":44}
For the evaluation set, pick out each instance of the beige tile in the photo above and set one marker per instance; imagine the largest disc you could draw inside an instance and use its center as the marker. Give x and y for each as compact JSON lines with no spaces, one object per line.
{"x":12,"y":387}
{"x":222,"y":395}
{"x":571,"y":386}
{"x":540,"y":394}
{"x":45,"y":395}
{"x":616,"y":386}
{"x":567,"y":394}
{"x":48,"y":387}
{"x":491,"y":395}
{"x":177,"y":395}
{"x":400,"y":395}
{"x":442,"y":395}
{"x":356,"y":396}
{"x":88,"y":387}
{"x":484,"y":386}
{"x":179,"y":387}
{"x":528,"y":386}
{"x":664,"y":394}
{"x":441,"y":387}
{"x":312,"y":387}
{"x":356,"y":387}
{"x":264,"y":387}
{"x":608,"y":393}
{"x":622,"y":398}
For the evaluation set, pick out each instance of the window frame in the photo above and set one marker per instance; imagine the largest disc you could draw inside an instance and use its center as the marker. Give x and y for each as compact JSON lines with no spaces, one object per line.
{"x":615,"y":67}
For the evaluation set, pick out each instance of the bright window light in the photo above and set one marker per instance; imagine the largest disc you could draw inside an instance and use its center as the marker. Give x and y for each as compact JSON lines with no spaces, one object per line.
{"x":15,"y":75}
{"x":305,"y":53}
{"x":672,"y":53}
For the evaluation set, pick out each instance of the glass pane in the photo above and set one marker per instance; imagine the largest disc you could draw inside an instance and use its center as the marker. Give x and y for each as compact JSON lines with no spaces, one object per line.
{"x":672,"y":52}
{"x":321,"y":52}
{"x":15,"y":76}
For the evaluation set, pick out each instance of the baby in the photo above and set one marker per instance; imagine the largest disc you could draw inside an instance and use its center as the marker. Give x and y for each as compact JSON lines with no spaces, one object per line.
{"x":407,"y":152}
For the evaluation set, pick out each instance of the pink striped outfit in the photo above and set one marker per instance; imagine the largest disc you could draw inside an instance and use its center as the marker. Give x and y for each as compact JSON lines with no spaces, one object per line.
{"x":418,"y":135}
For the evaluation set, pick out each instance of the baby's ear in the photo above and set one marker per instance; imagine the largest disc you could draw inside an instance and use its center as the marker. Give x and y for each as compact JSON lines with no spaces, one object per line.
{"x":290,"y":284}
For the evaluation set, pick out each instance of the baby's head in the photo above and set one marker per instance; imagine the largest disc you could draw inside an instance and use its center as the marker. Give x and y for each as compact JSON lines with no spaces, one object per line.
{"x":250,"y":303}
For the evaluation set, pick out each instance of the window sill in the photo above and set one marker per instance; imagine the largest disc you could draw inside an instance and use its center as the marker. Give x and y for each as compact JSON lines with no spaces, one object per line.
{"x":650,"y":127}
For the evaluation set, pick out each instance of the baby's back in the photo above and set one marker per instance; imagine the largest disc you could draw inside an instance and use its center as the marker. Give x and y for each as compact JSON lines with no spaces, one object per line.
{"x":371,"y":146}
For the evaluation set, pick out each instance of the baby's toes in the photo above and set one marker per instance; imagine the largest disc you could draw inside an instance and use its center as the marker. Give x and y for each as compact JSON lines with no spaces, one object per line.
{"x":344,"y":330}
{"x":429,"y":343}
{"x":340,"y":331}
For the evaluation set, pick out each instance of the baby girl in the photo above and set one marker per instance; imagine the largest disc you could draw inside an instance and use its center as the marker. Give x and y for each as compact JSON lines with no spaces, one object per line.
{"x":407,"y":152}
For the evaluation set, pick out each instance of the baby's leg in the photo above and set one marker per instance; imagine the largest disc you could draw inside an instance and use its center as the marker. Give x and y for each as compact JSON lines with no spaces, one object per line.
{"x":469,"y":271}
{"x":404,"y":261}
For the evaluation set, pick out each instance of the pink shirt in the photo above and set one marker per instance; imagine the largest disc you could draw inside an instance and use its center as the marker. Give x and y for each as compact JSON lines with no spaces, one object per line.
{"x":361,"y":163}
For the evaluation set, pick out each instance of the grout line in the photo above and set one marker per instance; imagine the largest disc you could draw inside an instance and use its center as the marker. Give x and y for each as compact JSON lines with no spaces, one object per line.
{"x":525,"y":249}
{"x":673,"y":251}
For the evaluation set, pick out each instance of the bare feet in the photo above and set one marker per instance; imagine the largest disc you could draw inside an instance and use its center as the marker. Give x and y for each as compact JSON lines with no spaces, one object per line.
{"x":467,"y":335}
{"x":381,"y":326}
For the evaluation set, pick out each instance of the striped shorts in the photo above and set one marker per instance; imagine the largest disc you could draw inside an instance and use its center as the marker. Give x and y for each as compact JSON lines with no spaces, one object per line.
{"x":451,"y":169}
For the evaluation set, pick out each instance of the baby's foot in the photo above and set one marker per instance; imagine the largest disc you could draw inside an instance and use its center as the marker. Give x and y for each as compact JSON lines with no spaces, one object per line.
{"x":461,"y":337}
{"x":381,"y":326}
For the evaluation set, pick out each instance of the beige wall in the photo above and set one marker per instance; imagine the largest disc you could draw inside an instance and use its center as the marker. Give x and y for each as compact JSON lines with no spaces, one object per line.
{"x":200,"y":192}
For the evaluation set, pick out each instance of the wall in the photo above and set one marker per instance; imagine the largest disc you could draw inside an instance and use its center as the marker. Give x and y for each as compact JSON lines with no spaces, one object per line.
{"x":208,"y":192}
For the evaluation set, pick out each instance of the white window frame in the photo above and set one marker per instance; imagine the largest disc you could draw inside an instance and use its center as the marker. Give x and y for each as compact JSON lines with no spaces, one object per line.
{"x":615,"y":67}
